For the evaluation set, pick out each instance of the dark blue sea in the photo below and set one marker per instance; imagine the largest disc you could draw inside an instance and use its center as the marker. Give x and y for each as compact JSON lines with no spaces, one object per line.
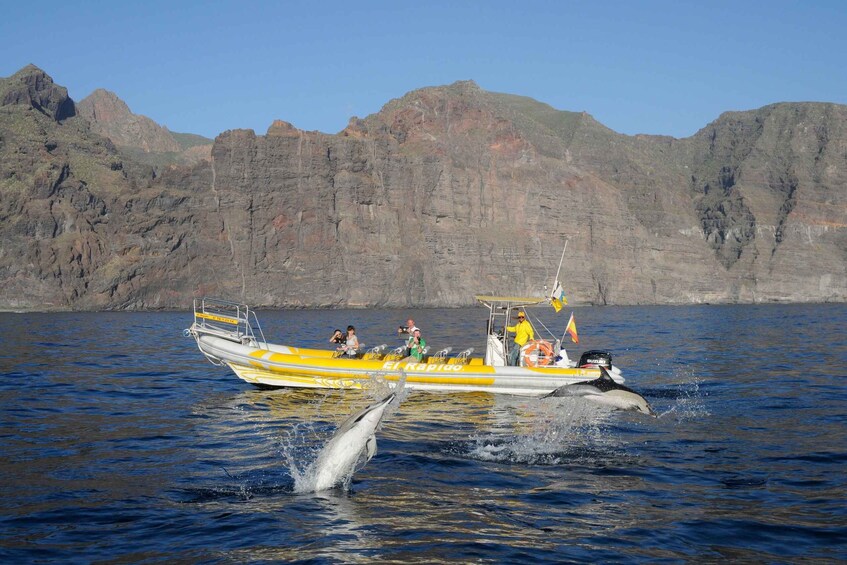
{"x":121,"y":443}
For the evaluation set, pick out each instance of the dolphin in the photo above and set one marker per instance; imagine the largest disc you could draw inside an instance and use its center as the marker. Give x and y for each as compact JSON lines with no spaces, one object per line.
{"x":350,"y":448}
{"x":605,"y":390}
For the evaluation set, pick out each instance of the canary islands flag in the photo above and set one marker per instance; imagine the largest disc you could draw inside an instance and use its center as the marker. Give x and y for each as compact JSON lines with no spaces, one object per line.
{"x":557,"y":298}
{"x":571,"y":329}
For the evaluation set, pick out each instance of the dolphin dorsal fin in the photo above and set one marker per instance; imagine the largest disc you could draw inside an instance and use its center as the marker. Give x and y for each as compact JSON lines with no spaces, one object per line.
{"x":604,"y":374}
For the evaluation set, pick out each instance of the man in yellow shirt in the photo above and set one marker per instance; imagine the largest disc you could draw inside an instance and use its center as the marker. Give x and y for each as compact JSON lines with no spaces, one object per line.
{"x":523,"y":333}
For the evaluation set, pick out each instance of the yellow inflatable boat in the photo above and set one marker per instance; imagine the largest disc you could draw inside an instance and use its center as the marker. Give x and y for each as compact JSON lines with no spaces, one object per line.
{"x":229,"y":334}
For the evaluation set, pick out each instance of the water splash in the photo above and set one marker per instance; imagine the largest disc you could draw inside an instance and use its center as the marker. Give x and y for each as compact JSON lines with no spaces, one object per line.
{"x":306,"y":475}
{"x":548,"y":432}
{"x":688,"y":398}
{"x":299,"y":457}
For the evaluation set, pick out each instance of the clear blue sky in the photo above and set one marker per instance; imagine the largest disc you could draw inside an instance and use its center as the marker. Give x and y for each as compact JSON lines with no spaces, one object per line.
{"x":661,"y":67}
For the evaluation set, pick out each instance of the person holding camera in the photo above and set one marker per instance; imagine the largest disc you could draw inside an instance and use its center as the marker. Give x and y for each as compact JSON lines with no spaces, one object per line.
{"x":409,"y":328}
{"x":417,"y":345}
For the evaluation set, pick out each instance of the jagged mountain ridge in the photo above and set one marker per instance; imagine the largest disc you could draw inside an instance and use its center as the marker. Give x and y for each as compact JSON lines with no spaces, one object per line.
{"x":445,"y":192}
{"x":139,"y":136}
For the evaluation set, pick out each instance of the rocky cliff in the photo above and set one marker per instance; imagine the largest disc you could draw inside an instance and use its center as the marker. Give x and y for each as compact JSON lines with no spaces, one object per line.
{"x":446,"y":192}
{"x":138,"y":136}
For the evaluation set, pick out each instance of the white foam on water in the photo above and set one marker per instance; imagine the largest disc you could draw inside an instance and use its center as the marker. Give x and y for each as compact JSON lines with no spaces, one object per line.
{"x":298,"y":458}
{"x":546,"y":432}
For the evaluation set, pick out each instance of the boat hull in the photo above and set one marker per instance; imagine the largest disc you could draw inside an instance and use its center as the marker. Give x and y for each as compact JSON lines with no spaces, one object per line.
{"x":281,"y":366}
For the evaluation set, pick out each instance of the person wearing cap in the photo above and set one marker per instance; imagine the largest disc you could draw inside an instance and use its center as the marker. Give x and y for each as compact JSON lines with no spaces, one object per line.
{"x":523,"y":333}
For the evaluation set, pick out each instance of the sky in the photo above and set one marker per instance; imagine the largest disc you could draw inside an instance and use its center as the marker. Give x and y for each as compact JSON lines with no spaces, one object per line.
{"x":656,"y":67}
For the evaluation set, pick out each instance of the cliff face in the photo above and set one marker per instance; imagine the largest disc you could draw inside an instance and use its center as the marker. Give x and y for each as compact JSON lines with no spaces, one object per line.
{"x":770,"y":188}
{"x":444,"y":193}
{"x":432,"y":200}
{"x":82,"y":226}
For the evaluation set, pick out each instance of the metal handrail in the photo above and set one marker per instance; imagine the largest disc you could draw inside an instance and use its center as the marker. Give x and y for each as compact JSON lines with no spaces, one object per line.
{"x":228,"y":319}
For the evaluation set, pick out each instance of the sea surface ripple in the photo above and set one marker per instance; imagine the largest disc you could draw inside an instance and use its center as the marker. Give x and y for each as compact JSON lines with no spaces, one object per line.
{"x":120,"y":443}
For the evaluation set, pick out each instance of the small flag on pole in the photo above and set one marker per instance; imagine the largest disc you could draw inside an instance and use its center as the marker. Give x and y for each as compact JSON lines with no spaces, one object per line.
{"x":571,"y":329}
{"x":557,"y":298}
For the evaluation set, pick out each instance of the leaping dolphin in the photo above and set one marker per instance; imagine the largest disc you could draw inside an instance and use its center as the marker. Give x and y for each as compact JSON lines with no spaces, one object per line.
{"x":351,"y":447}
{"x":604,"y":390}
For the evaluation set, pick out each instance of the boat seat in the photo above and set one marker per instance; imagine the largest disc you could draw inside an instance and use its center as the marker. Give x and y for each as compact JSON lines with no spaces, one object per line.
{"x":396,"y":354}
{"x":440,"y":356}
{"x":375,"y":353}
{"x":342,"y":353}
{"x":463,"y":357}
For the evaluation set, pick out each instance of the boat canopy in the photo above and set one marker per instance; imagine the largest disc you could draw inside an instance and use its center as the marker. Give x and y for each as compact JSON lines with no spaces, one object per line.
{"x":514,"y":301}
{"x":500,"y":312}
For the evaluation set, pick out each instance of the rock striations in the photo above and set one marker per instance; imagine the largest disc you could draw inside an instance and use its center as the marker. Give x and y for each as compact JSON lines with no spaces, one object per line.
{"x":446,"y":192}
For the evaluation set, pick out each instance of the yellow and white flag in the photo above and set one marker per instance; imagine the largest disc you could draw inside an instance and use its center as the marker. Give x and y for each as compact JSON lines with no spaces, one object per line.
{"x":557,"y":298}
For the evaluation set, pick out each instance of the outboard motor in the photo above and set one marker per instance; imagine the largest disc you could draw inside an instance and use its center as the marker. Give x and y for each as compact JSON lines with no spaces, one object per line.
{"x":596,"y":358}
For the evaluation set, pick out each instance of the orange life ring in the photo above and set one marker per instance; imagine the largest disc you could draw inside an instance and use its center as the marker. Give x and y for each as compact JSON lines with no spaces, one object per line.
{"x":538,"y":353}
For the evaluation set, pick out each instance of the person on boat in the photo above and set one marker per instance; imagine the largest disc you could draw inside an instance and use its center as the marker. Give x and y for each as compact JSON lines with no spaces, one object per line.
{"x":417,"y":345}
{"x":409,"y":328}
{"x":351,"y":344}
{"x":523,"y":333}
{"x":337,"y":337}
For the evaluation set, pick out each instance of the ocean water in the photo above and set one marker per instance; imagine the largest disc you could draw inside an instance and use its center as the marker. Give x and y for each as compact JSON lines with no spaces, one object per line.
{"x":121,"y":443}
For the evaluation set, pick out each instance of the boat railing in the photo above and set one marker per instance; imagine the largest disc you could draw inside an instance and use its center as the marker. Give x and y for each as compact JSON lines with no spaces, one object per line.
{"x":229,"y":320}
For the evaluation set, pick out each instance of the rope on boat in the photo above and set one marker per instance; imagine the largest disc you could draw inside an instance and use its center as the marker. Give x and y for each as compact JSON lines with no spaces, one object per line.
{"x":540,"y":323}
